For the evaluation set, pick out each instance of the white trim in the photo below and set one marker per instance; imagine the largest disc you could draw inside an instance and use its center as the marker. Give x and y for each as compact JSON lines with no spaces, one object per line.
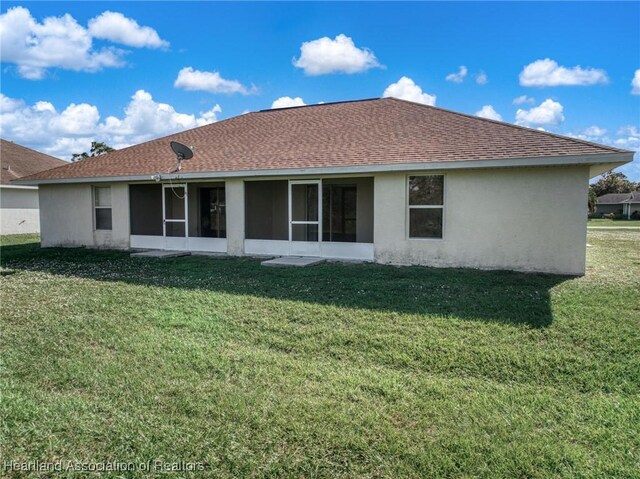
{"x":614,"y":158}
{"x":318,"y":222}
{"x":208,"y":245}
{"x":199,"y":244}
{"x":146,"y":242}
{"x":16,"y":187}
{"x":329,"y":250}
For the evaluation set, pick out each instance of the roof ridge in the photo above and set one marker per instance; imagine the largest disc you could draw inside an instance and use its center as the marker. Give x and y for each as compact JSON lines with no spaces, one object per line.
{"x":513,"y":125}
{"x":318,"y":104}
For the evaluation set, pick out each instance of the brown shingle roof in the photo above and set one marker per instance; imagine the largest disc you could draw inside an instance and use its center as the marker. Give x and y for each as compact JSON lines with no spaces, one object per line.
{"x":366,"y":132}
{"x":18,"y":161}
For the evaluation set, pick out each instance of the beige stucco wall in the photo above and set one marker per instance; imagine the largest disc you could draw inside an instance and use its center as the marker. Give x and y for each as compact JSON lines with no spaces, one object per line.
{"x":19,"y":211}
{"x":520,"y":219}
{"x":530,"y":219}
{"x":66,"y":217}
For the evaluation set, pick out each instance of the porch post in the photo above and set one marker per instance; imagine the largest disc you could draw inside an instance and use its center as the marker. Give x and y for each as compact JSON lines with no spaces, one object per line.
{"x":235,"y":216}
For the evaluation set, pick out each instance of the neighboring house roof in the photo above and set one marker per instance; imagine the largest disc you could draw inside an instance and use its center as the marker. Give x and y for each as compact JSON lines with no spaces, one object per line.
{"x":619,"y":198}
{"x":384,"y":131}
{"x":18,"y":161}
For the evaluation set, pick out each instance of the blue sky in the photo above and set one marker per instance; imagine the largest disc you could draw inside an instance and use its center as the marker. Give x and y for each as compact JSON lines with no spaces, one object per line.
{"x":113,"y":77}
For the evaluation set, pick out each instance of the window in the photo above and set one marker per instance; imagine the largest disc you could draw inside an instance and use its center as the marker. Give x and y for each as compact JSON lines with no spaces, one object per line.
{"x":102,"y":207}
{"x":426,"y":206}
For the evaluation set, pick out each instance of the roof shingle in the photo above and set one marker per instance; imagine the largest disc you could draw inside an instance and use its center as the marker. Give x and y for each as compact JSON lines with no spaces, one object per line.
{"x":19,"y":161}
{"x":365,"y":132}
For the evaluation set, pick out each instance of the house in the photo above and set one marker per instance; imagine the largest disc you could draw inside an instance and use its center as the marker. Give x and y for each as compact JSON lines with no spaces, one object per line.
{"x":19,"y":203}
{"x":381,"y":180}
{"x":625,"y":204}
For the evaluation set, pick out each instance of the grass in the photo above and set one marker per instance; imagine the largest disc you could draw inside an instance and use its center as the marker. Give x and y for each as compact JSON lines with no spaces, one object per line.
{"x":331,"y":371}
{"x":606,"y":222}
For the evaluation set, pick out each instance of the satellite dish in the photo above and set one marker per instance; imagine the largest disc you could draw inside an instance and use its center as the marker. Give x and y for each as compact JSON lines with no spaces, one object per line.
{"x":183,"y":152}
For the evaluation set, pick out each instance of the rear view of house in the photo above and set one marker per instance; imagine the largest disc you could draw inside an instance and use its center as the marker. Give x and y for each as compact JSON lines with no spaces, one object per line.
{"x":18,"y":203}
{"x":380,"y":180}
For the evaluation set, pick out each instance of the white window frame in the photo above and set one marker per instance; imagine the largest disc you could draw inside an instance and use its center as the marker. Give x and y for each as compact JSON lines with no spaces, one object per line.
{"x":166,"y":186}
{"x":410,"y":207}
{"x":96,"y":207}
{"x":318,"y":183}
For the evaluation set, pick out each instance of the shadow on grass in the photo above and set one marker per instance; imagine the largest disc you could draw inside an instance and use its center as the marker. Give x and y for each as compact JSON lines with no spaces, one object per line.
{"x":493,"y":296}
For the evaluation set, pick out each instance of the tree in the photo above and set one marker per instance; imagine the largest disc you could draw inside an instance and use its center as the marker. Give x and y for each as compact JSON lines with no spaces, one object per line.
{"x":593,"y":200}
{"x":97,"y":148}
{"x":613,"y":183}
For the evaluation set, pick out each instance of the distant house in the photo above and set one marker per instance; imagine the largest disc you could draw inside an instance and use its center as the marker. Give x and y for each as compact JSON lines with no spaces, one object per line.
{"x":381,"y":180}
{"x":19,"y":211}
{"x":625,"y":204}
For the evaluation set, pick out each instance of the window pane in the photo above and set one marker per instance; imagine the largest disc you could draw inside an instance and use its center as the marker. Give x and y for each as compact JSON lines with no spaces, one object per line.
{"x":103,"y":218}
{"x":425,"y":222}
{"x":145,"y":206}
{"x":304,"y":232}
{"x":267,"y":210}
{"x":426,"y":190}
{"x":174,"y":199}
{"x":175,"y":229}
{"x":304,"y":202}
{"x":102,"y":195}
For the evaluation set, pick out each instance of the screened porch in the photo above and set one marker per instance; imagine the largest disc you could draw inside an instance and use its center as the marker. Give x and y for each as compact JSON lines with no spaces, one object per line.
{"x":330,"y":218}
{"x":178,"y":216}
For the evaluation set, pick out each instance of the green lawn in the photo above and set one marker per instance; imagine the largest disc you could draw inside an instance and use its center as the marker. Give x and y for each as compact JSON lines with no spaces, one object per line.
{"x":332,"y":371}
{"x":604,"y":222}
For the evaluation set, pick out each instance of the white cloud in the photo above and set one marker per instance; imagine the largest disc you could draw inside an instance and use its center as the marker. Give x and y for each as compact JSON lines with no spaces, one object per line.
{"x":287,"y":101}
{"x":340,"y":55}
{"x":522,"y":99}
{"x":629,"y":130}
{"x":549,"y":112}
{"x":594,"y":134}
{"x":482,"y":78}
{"x":457,"y":77}
{"x":194,"y":80}
{"x":595,"y":131}
{"x":56,"y":42}
{"x":117,"y":28}
{"x":629,"y":139}
{"x":61,"y":42}
{"x":547,"y":72}
{"x":406,"y":89}
{"x":487,"y":111}
{"x":635,"y":83}
{"x":43,"y":127}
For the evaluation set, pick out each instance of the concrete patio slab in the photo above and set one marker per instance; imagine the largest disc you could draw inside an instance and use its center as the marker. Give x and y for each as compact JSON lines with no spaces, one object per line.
{"x":292,"y":261}
{"x":158,"y":253}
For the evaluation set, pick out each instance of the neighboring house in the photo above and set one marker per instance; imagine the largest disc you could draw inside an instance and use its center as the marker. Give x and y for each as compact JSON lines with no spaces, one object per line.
{"x":625,"y":204}
{"x":19,"y":203}
{"x":382,"y":180}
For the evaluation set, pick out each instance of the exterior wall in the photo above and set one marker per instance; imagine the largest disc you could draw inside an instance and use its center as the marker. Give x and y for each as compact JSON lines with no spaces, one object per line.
{"x":66,"y":217}
{"x":19,"y":211}
{"x":530,"y":219}
{"x":519,"y":219}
